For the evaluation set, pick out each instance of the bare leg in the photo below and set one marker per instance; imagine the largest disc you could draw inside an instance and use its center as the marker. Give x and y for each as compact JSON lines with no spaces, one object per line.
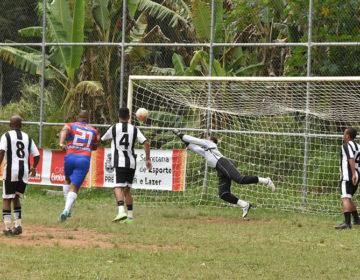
{"x":128,"y":197}
{"x":129,"y":201}
{"x":348,"y":205}
{"x":119,"y":196}
{"x":119,"y":193}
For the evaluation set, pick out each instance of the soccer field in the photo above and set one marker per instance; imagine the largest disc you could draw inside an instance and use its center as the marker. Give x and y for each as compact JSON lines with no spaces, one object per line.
{"x":173,"y":243}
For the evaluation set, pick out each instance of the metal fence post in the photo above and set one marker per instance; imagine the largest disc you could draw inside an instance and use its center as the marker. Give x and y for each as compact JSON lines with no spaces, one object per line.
{"x":42,"y":78}
{"x":122,"y":55}
{"x":211,"y":59}
{"x":308,"y":74}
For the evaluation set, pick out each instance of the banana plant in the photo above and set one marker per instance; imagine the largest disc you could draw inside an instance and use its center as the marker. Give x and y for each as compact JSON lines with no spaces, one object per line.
{"x":199,"y":65}
{"x":228,"y":61}
{"x":190,"y":22}
{"x":62,"y":62}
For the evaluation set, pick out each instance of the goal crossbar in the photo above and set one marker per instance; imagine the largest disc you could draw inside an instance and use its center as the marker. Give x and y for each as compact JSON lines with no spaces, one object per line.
{"x":247,"y":79}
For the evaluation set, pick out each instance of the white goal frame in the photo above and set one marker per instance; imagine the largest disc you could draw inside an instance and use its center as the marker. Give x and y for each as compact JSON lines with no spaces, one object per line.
{"x":208,"y":130}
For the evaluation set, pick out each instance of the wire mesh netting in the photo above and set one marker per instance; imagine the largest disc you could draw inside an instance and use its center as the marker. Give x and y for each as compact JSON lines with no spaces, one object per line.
{"x":263,"y":127}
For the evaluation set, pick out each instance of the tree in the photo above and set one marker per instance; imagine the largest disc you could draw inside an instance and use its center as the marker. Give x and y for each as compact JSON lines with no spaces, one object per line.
{"x":62,"y":62}
{"x":12,"y":18}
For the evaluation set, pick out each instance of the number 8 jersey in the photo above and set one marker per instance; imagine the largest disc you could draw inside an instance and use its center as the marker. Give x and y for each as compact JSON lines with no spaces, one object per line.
{"x":81,"y":138}
{"x":123,"y":137}
{"x":17,"y":146}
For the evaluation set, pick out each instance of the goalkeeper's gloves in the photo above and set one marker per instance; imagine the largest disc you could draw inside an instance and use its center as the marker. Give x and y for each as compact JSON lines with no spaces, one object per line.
{"x":178,"y":133}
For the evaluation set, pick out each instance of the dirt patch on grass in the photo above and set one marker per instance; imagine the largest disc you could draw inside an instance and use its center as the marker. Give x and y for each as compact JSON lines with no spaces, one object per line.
{"x":39,"y":235}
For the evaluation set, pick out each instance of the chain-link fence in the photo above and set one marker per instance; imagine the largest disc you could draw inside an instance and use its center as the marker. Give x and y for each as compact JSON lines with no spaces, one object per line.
{"x":78,"y":54}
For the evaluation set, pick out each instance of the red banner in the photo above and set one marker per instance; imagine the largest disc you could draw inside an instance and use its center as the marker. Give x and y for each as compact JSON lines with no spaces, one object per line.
{"x":57,"y":175}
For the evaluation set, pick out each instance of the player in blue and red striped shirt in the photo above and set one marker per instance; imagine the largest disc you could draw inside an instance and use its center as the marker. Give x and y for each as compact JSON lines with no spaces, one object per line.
{"x":81,"y":140}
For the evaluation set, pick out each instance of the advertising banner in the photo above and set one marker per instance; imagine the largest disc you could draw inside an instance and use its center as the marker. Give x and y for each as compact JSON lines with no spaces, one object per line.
{"x":168,"y":172}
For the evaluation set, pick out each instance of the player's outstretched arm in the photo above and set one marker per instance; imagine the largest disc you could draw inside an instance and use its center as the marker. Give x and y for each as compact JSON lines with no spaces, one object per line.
{"x":147,"y":155}
{"x":197,"y":141}
{"x":187,"y":139}
{"x":196,"y":149}
{"x":180,"y":135}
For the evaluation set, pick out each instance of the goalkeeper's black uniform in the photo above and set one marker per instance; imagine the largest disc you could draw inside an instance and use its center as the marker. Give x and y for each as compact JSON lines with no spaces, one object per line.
{"x":226,"y":169}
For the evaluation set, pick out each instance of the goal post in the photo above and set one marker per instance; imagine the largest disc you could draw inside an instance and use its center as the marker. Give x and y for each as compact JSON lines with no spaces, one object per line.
{"x":286,"y":128}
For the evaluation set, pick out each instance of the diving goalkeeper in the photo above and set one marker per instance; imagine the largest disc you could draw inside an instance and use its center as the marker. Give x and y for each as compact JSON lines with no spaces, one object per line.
{"x":226,"y":169}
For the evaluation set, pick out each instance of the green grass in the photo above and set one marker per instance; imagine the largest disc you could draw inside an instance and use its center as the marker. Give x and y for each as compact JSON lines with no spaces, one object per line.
{"x":171,"y":242}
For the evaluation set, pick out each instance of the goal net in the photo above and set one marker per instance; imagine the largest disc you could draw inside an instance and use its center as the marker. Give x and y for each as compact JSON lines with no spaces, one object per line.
{"x":288,"y":129}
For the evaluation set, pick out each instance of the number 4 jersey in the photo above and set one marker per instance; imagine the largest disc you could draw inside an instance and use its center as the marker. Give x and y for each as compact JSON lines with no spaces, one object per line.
{"x":17,"y":146}
{"x":349,"y":150}
{"x":81,"y":139}
{"x":123,"y":137}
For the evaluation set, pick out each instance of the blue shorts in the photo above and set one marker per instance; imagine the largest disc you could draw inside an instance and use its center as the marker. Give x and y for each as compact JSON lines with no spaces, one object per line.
{"x":76,"y":167}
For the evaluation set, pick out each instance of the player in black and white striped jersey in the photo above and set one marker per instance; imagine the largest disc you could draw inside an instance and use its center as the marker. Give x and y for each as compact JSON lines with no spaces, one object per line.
{"x":350,"y":175}
{"x":16,"y":146}
{"x":124,"y":135}
{"x":226,"y":169}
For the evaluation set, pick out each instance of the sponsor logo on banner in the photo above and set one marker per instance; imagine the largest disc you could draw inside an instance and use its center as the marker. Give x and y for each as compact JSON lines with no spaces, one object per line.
{"x":57,"y":175}
{"x":38,"y":176}
{"x":109,"y":170}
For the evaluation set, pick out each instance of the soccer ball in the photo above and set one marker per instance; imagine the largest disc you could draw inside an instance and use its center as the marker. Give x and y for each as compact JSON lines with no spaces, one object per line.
{"x":142,"y":114}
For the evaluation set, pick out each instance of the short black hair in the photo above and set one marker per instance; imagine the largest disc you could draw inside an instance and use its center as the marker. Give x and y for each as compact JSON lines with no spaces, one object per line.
{"x":352,"y":132}
{"x":124,"y":113}
{"x":214,"y":139}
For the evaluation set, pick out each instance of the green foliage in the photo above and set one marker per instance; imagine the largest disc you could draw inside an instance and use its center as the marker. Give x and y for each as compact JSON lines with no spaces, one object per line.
{"x":101,"y":16}
{"x":199,"y":65}
{"x":179,"y":64}
{"x":161,"y":12}
{"x":250,"y":70}
{"x":33,"y":31}
{"x":202,"y":19}
{"x":77,"y":34}
{"x":132,"y":7}
{"x":28,"y":108}
{"x":29,"y":62}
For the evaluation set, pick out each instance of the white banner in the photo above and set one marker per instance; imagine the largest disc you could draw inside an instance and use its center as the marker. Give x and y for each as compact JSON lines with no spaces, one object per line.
{"x":159,"y":178}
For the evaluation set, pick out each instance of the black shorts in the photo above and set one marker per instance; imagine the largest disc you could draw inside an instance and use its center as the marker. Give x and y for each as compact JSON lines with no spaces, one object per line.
{"x":347,"y":189}
{"x":10,"y":189}
{"x":124,"y":176}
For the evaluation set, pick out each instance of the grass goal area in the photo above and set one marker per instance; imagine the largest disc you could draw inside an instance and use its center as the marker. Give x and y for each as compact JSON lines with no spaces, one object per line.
{"x":289,"y":129}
